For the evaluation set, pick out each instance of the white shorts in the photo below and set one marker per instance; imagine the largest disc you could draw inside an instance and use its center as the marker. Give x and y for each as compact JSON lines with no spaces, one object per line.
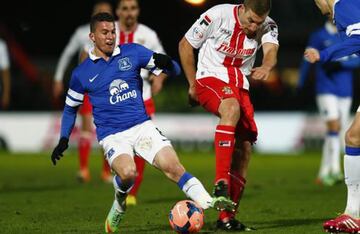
{"x":144,"y":140}
{"x":332,"y":107}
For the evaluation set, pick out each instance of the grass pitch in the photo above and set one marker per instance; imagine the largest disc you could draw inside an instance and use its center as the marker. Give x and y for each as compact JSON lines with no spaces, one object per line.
{"x":280,"y":197}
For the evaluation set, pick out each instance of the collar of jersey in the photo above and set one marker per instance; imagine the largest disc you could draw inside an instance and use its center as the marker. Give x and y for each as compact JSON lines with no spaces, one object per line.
{"x":93,"y":57}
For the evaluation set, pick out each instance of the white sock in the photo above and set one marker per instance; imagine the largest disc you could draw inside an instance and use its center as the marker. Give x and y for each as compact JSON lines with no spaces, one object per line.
{"x":334,"y":150}
{"x":352,"y":180}
{"x":194,"y":189}
{"x":325,"y":164}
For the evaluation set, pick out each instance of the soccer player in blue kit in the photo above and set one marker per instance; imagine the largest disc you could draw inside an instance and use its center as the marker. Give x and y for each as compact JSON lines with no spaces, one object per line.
{"x":334,"y":91}
{"x":111,"y":77}
{"x":346,"y":16}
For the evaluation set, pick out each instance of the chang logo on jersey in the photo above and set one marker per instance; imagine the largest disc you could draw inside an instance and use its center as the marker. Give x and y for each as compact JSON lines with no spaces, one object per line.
{"x":124,"y":64}
{"x":119,"y":91}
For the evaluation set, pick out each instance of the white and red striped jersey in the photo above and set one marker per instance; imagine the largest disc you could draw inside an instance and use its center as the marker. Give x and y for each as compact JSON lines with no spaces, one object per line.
{"x":79,"y":41}
{"x":226,"y":53}
{"x":147,"y":37}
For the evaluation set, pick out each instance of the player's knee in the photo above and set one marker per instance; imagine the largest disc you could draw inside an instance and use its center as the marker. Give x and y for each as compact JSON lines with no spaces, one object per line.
{"x":230,"y":109}
{"x":352,"y":138}
{"x":128,"y":173}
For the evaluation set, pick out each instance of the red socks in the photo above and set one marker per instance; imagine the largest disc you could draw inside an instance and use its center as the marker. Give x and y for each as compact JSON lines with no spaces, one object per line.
{"x":140,"y":165}
{"x":237,"y":185}
{"x":224,"y":147}
{"x":84,"y":151}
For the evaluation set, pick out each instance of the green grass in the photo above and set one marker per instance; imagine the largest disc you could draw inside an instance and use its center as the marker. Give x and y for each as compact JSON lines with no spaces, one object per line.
{"x":280,"y":197}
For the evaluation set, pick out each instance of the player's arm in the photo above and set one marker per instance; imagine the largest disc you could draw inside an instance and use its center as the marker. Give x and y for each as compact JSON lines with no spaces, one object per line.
{"x":5,"y":74}
{"x":69,"y":51}
{"x":349,"y":46}
{"x":156,"y":63}
{"x":269,"y":61}
{"x":5,"y":101}
{"x":270,"y":45}
{"x":194,"y":38}
{"x":74,"y":99}
{"x":315,"y":41}
{"x":187,"y":58}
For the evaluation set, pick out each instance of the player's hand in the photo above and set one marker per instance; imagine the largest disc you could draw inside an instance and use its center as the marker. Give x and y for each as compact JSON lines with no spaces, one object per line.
{"x":193,"y":100}
{"x":58,"y":89}
{"x":331,"y":67}
{"x":312,"y":55}
{"x":260,"y":73}
{"x":59,"y":149}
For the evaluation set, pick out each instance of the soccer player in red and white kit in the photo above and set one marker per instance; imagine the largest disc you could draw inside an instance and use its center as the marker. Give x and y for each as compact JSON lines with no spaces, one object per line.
{"x":80,"y":43}
{"x":129,"y":30}
{"x":228,"y":37}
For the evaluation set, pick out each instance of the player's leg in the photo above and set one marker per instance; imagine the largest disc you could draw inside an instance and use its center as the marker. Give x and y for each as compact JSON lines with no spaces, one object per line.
{"x":156,"y":149}
{"x":118,"y":150}
{"x":350,"y":221}
{"x":344,"y":105}
{"x":140,"y":166}
{"x":330,"y":162}
{"x":221,"y":99}
{"x":125,"y":170}
{"x":246,"y":134}
{"x":140,"y":162}
{"x":84,"y":146}
{"x":167,"y":161}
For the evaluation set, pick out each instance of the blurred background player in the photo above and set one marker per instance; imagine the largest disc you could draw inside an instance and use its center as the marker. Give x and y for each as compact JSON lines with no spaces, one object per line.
{"x":334,"y":91}
{"x":346,"y":15}
{"x":5,"y":85}
{"x":79,"y":44}
{"x":129,"y":30}
{"x":228,"y":37}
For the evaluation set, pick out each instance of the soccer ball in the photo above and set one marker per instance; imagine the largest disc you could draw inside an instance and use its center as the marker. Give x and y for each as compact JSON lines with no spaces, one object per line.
{"x":186,"y":217}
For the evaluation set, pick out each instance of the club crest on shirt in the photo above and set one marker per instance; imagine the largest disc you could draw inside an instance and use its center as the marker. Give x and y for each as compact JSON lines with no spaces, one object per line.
{"x":124,"y":64}
{"x":227,"y":90}
{"x":198,"y":34}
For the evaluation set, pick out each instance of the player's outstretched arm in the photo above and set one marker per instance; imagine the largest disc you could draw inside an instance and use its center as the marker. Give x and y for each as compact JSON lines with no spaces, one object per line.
{"x":268,"y":63}
{"x":349,"y":46}
{"x":165,"y":62}
{"x":67,"y":124}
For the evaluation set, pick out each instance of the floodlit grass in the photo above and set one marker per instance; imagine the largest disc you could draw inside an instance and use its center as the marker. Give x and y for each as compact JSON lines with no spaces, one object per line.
{"x":280,"y":197}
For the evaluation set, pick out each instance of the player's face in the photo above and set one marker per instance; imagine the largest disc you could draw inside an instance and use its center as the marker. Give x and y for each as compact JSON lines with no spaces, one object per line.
{"x":324,"y":7}
{"x":102,"y":8}
{"x":104,"y":38}
{"x":250,"y":22}
{"x":128,"y":12}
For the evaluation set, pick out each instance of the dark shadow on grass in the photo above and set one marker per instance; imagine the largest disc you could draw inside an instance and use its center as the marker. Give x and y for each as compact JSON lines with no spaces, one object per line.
{"x":36,"y":188}
{"x":283,"y":223}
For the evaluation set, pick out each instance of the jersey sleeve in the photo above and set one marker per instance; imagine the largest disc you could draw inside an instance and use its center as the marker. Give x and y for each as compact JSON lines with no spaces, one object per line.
{"x":202,"y":28}
{"x":349,"y":46}
{"x":270,"y":32}
{"x":73,"y":46}
{"x":146,"y":59}
{"x":4,"y":56}
{"x":74,"y":99}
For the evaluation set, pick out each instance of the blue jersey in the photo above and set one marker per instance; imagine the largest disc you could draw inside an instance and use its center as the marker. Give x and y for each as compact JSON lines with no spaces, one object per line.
{"x":347,"y":21}
{"x":114,"y":88}
{"x":338,"y":83}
